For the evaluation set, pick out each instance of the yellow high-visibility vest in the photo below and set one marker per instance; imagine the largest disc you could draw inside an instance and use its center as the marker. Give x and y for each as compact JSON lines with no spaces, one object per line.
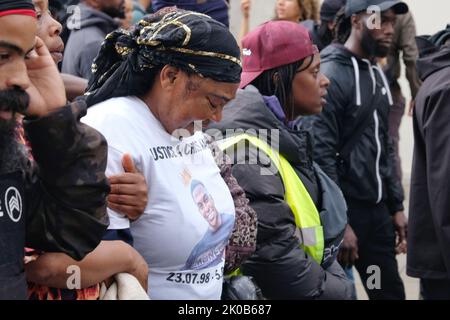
{"x":307,"y":217}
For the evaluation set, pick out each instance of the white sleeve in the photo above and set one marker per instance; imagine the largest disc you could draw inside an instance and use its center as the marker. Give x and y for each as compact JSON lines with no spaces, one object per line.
{"x":114,"y":167}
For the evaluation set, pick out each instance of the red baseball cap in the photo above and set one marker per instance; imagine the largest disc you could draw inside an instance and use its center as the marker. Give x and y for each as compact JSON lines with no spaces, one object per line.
{"x":274,"y":44}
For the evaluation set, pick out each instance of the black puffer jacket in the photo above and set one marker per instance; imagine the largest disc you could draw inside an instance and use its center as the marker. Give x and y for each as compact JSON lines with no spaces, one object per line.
{"x":368,"y":172}
{"x":281,"y":268}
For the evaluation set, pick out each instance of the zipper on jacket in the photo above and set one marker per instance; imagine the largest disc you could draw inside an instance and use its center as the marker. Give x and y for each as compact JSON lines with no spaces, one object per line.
{"x":377,"y":162}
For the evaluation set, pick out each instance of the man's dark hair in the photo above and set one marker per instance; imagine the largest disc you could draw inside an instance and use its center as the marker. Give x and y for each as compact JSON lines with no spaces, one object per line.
{"x":343,"y":26}
{"x":278,"y":82}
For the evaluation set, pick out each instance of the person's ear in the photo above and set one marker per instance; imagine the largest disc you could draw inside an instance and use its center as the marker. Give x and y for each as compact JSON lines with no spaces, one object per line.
{"x":168,"y":76}
{"x":356,"y":20}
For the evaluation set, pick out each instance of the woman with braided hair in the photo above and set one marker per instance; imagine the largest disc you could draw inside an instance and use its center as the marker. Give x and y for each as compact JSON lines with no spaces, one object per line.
{"x":152,"y":89}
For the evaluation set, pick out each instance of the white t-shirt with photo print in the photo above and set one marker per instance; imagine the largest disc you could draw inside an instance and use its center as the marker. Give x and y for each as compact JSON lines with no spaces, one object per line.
{"x":184,"y":252}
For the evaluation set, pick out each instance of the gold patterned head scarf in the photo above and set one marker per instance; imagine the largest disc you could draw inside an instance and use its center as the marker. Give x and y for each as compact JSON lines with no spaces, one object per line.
{"x":129,"y":60}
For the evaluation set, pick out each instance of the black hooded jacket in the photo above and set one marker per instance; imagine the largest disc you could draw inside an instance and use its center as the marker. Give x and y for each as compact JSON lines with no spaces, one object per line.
{"x":429,"y":213}
{"x":280,"y":266}
{"x":56,"y":204}
{"x":367,"y":173}
{"x":313,"y":28}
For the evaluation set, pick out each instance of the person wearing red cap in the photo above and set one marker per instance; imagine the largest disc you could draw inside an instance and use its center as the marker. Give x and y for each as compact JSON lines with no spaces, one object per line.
{"x":55,"y":204}
{"x":281,"y":81}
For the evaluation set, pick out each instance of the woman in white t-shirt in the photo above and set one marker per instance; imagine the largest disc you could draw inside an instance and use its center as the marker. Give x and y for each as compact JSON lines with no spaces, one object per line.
{"x":152,"y":91}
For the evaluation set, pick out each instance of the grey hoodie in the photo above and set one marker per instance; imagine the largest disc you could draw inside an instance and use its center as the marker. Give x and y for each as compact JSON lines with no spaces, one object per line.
{"x":85,"y":40}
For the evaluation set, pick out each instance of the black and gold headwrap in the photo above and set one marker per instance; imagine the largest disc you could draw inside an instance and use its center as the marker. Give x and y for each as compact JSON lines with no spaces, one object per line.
{"x":188,"y":40}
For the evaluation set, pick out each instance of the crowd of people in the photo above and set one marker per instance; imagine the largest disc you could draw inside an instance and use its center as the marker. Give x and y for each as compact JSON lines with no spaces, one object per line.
{"x":145,"y":147}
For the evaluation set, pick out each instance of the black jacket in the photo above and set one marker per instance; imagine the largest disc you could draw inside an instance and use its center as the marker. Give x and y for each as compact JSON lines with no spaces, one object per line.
{"x":367,"y":174}
{"x":281,"y":268}
{"x":429,"y":210}
{"x":58,"y":205}
{"x":313,"y":28}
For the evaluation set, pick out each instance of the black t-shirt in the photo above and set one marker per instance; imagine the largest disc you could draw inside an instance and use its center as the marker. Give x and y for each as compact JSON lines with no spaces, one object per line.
{"x":12,"y":236}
